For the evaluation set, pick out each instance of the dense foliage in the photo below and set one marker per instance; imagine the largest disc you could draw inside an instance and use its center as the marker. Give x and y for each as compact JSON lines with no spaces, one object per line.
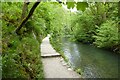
{"x":107,"y":35}
{"x":85,"y":29}
{"x":21,"y":53}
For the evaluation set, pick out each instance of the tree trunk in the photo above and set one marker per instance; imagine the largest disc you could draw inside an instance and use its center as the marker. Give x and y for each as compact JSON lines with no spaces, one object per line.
{"x":28,"y":16}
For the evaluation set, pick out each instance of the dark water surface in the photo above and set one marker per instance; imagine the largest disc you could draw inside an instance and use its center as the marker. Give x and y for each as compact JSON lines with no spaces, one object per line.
{"x":94,"y":62}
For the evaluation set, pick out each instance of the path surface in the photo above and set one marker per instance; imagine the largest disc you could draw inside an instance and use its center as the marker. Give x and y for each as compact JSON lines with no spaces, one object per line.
{"x":53,"y":63}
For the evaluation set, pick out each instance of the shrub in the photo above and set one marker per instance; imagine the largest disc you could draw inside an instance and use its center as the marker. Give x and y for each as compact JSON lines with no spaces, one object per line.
{"x":107,"y":35}
{"x":85,"y":29}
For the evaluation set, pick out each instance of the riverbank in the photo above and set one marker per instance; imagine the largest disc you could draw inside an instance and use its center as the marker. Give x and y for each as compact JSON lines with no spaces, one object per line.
{"x":57,"y":45}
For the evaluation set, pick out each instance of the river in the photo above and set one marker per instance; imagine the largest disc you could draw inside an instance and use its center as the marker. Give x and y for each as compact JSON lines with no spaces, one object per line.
{"x":94,"y":62}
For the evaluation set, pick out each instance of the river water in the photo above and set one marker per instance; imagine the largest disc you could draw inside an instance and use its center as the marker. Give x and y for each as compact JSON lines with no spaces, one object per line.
{"x":94,"y":62}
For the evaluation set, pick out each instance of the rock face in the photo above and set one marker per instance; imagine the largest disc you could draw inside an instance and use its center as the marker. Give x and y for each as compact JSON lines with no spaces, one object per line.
{"x":54,"y":66}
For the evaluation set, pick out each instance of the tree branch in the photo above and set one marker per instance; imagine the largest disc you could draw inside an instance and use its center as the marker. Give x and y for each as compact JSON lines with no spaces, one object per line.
{"x":28,"y":16}
{"x":25,"y":9}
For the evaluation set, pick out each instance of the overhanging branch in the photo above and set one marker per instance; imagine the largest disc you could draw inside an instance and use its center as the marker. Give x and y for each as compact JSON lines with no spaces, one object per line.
{"x":28,"y":16}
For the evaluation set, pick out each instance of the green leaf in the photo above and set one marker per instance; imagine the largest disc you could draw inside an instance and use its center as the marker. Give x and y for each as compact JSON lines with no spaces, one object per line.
{"x":70,"y":4}
{"x":82,"y":5}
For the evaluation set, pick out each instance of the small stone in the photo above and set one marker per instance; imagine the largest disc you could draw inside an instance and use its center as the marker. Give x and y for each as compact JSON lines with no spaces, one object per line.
{"x":61,"y":59}
{"x":69,"y":69}
{"x":64,"y":64}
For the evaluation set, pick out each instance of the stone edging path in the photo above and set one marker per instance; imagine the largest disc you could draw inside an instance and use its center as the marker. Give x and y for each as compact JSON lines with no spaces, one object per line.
{"x":53,"y":64}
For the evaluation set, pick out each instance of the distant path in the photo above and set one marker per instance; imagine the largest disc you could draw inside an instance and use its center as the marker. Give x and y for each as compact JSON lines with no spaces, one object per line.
{"x":54,"y":66}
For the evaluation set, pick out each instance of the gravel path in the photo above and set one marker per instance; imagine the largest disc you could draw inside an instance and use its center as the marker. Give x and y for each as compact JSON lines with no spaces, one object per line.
{"x":54,"y":66}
